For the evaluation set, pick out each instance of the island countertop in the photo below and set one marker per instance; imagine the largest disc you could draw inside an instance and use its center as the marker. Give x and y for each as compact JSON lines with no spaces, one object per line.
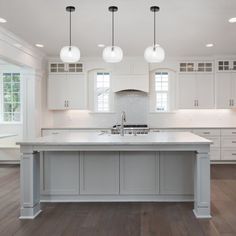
{"x":98,"y":138}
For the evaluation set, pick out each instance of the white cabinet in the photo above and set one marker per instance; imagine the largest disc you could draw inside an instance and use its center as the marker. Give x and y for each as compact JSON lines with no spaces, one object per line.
{"x":187,"y":91}
{"x":226,"y":65}
{"x":196,"y":90}
{"x":130,"y":74}
{"x":57,"y":94}
{"x":99,"y":173}
{"x":176,"y":172}
{"x":226,"y":90}
{"x":60,"y":173}
{"x":228,"y":144}
{"x":67,"y":91}
{"x":139,"y":173}
{"x":214,"y":136}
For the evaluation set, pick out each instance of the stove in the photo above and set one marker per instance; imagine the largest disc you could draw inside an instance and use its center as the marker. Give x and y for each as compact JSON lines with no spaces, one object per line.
{"x":131,"y":129}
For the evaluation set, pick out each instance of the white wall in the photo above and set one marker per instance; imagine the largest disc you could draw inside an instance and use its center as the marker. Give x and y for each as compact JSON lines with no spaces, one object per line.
{"x":33,"y":62}
{"x":16,"y":51}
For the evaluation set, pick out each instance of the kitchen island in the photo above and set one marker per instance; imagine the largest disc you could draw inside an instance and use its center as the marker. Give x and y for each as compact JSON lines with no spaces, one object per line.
{"x":164,"y":166}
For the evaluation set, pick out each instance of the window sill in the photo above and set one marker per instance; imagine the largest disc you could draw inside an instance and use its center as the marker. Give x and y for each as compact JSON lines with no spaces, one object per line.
{"x":11,"y":123}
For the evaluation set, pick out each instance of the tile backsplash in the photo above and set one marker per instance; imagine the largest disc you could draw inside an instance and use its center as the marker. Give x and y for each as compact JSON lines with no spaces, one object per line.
{"x":134,"y":104}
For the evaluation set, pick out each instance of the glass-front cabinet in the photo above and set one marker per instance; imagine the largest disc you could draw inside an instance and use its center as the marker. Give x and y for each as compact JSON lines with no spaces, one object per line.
{"x":196,"y":66}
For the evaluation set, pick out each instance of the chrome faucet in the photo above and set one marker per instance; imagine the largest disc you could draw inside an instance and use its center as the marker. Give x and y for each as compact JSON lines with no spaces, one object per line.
{"x":123,"y":120}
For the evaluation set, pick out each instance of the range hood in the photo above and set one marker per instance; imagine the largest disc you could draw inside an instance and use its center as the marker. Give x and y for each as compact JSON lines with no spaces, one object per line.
{"x":130,"y":83}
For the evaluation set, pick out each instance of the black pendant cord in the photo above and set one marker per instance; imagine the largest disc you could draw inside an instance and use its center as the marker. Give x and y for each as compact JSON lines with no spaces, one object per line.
{"x":154,"y":46}
{"x":70,"y":31}
{"x":113,"y":33}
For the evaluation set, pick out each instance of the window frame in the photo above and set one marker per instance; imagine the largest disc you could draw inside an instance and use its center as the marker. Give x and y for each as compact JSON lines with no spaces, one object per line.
{"x":167,"y":92}
{"x":95,"y":100}
{"x":12,"y":71}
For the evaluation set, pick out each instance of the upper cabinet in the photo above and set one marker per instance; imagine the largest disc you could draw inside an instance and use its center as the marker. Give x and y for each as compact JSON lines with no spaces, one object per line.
{"x":226,"y":84}
{"x":65,"y":68}
{"x":196,"y":67}
{"x":130,"y":75}
{"x":226,"y":65}
{"x":196,"y":85}
{"x":67,"y":87}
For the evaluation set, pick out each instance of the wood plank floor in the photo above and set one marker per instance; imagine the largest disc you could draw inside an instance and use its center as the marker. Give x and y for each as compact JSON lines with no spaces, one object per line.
{"x":121,"y":219}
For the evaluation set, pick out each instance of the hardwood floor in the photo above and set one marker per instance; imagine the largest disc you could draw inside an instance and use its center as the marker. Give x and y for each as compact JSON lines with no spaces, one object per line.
{"x":121,"y":219}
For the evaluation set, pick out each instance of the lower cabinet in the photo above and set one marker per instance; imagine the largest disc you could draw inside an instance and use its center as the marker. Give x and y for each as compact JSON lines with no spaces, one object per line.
{"x":60,"y":173}
{"x":176,"y":172}
{"x":139,"y":172}
{"x":99,"y":173}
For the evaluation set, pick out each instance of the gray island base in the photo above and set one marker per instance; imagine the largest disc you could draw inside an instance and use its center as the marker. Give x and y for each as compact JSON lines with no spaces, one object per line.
{"x":86,"y":167}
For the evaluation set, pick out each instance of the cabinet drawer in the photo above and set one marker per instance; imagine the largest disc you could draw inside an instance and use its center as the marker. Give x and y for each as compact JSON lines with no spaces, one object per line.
{"x":228,"y":142}
{"x":207,"y":132}
{"x":225,"y":132}
{"x":175,"y":130}
{"x":215,"y":140}
{"x":215,"y":154}
{"x":228,"y":155}
{"x":51,"y":132}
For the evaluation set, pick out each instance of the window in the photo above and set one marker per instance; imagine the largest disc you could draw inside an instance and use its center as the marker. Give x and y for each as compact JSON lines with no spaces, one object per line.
{"x":11,"y":105}
{"x":162,"y":91}
{"x":102,"y":92}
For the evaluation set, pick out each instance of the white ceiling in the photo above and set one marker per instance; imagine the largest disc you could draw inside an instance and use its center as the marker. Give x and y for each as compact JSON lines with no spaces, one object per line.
{"x":183,"y":26}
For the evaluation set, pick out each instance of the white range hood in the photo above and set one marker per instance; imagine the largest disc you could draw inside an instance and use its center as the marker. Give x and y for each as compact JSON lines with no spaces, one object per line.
{"x":130,"y":74}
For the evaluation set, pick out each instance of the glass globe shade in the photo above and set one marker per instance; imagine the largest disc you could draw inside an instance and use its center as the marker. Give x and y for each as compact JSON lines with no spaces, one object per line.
{"x":112,"y":54}
{"x":154,"y":56}
{"x":70,"y":54}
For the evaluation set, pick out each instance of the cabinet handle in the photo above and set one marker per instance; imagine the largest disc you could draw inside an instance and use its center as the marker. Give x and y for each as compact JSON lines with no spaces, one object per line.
{"x":232,"y":102}
{"x":206,"y":132}
{"x":234,"y":154}
{"x":233,"y":132}
{"x":233,"y":141}
{"x":65,"y":103}
{"x":197,"y":103}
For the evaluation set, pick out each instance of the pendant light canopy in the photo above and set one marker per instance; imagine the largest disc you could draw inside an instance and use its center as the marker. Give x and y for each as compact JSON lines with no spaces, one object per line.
{"x":112,"y":54}
{"x":155,"y":53}
{"x":70,"y":54}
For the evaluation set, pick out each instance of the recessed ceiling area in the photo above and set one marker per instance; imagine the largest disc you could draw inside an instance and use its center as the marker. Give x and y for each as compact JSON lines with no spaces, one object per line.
{"x":184,"y":27}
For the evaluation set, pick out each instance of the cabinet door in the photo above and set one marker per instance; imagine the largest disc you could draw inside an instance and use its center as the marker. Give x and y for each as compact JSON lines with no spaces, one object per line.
{"x":77,"y":92}
{"x":233,"y":89}
{"x":223,"y":90}
{"x":60,"y":173}
{"x":139,"y":172}
{"x":99,"y":173}
{"x":205,"y":90}
{"x":176,"y":172}
{"x":187,"y":91}
{"x":57,"y":92}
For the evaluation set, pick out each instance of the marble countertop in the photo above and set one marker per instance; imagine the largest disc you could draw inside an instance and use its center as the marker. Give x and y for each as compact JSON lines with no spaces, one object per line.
{"x":152,"y":128}
{"x":98,"y":138}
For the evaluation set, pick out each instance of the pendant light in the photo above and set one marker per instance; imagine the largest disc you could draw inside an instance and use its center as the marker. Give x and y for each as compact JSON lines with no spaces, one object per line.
{"x":70,"y":54}
{"x":112,"y":54}
{"x":155,"y":53}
